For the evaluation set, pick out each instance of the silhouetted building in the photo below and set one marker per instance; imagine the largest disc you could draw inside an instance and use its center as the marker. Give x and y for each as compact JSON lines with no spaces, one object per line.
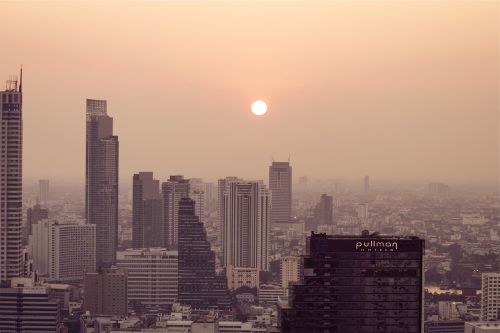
{"x":354,"y":284}
{"x":33,"y":215}
{"x":325,"y":210}
{"x":101,"y":191}
{"x":43,"y":191}
{"x":246,"y":235}
{"x":11,"y":174}
{"x":172,"y":192}
{"x":280,"y":185}
{"x":199,"y":285}
{"x":147,"y":222}
{"x":106,"y":292}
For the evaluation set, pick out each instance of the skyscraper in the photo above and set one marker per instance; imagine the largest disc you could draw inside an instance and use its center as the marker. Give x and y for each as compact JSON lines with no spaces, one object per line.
{"x":147,"y":223}
{"x":101,"y":191}
{"x":490,"y":296}
{"x":280,"y":184}
{"x":247,"y":209}
{"x":326,"y":210}
{"x":106,"y":292}
{"x":172,"y":192}
{"x":11,"y":135}
{"x":43,"y":191}
{"x":33,"y":215}
{"x":221,"y":188}
{"x":199,"y":285}
{"x":356,"y":284}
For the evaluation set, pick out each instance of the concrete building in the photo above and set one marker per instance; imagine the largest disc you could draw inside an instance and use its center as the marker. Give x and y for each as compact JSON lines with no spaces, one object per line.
{"x":152,"y":275}
{"x":270,"y":294}
{"x":325,"y":210}
{"x":482,"y":327}
{"x":490,"y":299}
{"x":199,"y":199}
{"x":448,"y":310}
{"x":106,"y":292}
{"x":247,"y":208}
{"x":11,"y":136}
{"x":289,"y":270}
{"x":147,"y":223}
{"x":101,"y":181}
{"x":280,"y":185}
{"x":238,"y":277}
{"x":172,"y":192}
{"x":33,"y":215}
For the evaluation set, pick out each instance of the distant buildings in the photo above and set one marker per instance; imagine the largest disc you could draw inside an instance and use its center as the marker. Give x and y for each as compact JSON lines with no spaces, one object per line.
{"x":238,"y":277}
{"x":106,"y":292}
{"x":148,"y":229}
{"x":270,"y":294}
{"x":490,"y":299}
{"x":199,"y":285}
{"x":63,"y":251}
{"x":152,"y":275}
{"x":325,"y":210}
{"x":246,"y":224}
{"x":101,"y":190}
{"x":11,"y":136}
{"x":280,"y":185}
{"x":439,"y":190}
{"x":367,"y":183}
{"x":358,"y":284}
{"x":362,"y":210}
{"x":33,"y":215}
{"x":173,"y":191}
{"x":43,"y":191}
{"x":290,"y":270}
{"x":482,"y":327}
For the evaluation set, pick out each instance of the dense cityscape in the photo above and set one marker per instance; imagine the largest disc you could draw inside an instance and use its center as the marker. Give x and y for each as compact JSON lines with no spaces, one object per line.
{"x":185,"y":254}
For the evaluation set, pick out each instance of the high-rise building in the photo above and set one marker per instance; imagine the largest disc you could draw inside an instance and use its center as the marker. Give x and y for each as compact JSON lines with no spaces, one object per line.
{"x":325,"y":210}
{"x":43,"y":191}
{"x":289,"y":270}
{"x":221,"y":189}
{"x":199,"y":285}
{"x":199,"y":199}
{"x":490,"y":296}
{"x":33,"y":215}
{"x":11,"y":135}
{"x":355,"y":284}
{"x":172,"y":192}
{"x":106,"y":292}
{"x":101,"y":191}
{"x":28,"y":308}
{"x":197,"y":184}
{"x":152,"y":275}
{"x":247,"y":208}
{"x":63,"y":251}
{"x":147,"y":223}
{"x":280,"y":185}
{"x":367,"y":183}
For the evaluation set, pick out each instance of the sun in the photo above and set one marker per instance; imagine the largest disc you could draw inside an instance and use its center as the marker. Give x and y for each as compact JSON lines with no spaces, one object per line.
{"x":259,"y":108}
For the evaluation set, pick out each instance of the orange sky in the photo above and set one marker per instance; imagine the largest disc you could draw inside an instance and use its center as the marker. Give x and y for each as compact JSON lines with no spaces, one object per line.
{"x":397,"y":90}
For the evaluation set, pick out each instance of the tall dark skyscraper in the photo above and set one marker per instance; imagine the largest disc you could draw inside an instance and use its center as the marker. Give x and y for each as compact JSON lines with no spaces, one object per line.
{"x":148,"y":229}
{"x":33,"y":215}
{"x":11,"y":174}
{"x":101,"y":192}
{"x":326,"y":210}
{"x":354,"y":284}
{"x":172,"y":192}
{"x":199,"y":285}
{"x":280,"y":184}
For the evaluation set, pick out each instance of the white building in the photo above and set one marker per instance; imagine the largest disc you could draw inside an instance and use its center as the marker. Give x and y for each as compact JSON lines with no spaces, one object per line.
{"x":490,"y":299}
{"x":451,"y":310}
{"x":63,"y":251}
{"x":289,"y":270}
{"x":152,"y":275}
{"x":246,"y":224}
{"x":270,"y":294}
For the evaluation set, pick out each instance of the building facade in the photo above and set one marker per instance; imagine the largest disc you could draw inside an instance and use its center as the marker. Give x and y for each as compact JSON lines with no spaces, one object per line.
{"x":290,"y":270}
{"x":106,"y":292}
{"x":172,"y":192}
{"x":325,"y":210}
{"x":358,"y":284}
{"x":33,"y":215}
{"x":238,"y":277}
{"x":11,"y":135}
{"x":101,"y":190}
{"x":280,"y":185}
{"x":147,"y":222}
{"x":490,"y":299}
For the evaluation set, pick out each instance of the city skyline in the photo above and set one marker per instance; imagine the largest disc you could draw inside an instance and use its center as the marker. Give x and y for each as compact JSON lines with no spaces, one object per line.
{"x":429,"y":126}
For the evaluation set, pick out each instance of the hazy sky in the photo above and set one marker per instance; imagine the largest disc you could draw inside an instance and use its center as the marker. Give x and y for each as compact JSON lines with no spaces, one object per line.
{"x":402,"y":90}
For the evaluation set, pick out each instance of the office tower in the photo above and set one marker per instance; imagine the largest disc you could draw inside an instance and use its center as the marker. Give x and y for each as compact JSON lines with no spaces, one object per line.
{"x":199,"y":199}
{"x":356,"y":284}
{"x":490,"y":299}
{"x":247,"y":208}
{"x":152,"y":275}
{"x":101,"y":190}
{"x":289,"y":270}
{"x":63,"y":251}
{"x":199,"y":285}
{"x":172,"y":192}
{"x":28,"y":309}
{"x":221,"y":189}
{"x":238,"y":277}
{"x":147,"y":223}
{"x":367,"y":183}
{"x":106,"y":292}
{"x":43,"y":191}
{"x":280,"y":185}
{"x":11,"y":135}
{"x":197,"y":184}
{"x":325,"y":210}
{"x":33,"y":215}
